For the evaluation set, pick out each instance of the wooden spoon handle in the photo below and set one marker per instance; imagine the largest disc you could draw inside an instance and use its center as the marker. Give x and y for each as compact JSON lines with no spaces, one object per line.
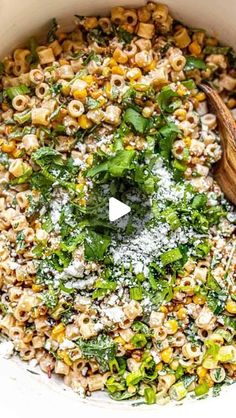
{"x":224,"y":170}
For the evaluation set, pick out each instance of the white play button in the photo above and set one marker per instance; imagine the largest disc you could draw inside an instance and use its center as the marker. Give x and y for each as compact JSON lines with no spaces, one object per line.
{"x":117,"y":209}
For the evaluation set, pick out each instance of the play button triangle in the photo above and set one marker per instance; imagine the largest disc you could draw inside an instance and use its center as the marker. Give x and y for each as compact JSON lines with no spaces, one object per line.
{"x":117,"y":209}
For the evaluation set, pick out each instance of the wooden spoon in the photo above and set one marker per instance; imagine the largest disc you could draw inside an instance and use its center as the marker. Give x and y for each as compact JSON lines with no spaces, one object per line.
{"x":224,"y":170}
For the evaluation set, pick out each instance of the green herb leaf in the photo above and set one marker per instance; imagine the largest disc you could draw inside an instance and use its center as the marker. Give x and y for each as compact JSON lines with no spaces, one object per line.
{"x":168,"y":100}
{"x":95,"y":245}
{"x":136,"y":120}
{"x":193,"y":62}
{"x":124,"y":36}
{"x":166,"y":136}
{"x":102,"y":349}
{"x":222,"y":50}
{"x":51,"y":36}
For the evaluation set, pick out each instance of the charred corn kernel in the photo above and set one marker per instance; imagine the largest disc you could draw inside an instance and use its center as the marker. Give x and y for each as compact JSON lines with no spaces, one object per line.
{"x":112,"y":62}
{"x":120,"y":56}
{"x":16,"y":153}
{"x":167,"y":354}
{"x":88,"y":78}
{"x":36,"y":288}
{"x":163,"y":309}
{"x":84,"y":122}
{"x":82,"y":201}
{"x":201,"y":372}
{"x":182,"y":313}
{"x":65,"y":357}
{"x":106,"y":71}
{"x":181,"y":90}
{"x":58,"y":332}
{"x":200,"y":96}
{"x":9,"y":147}
{"x":199,"y":300}
{"x":119,"y":340}
{"x":159,"y":367}
{"x":180,"y":114}
{"x":172,"y":326}
{"x":195,"y":48}
{"x":89,"y":160}
{"x":90,"y":22}
{"x":117,"y":69}
{"x":80,"y":94}
{"x":231,"y":307}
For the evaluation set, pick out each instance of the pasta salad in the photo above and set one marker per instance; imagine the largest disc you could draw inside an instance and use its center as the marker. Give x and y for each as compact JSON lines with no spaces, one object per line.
{"x":144,"y":307}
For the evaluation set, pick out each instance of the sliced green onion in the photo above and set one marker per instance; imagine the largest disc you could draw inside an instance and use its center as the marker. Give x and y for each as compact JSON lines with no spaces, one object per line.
{"x":189,"y":84}
{"x":199,"y":201}
{"x":22,"y":117}
{"x":171,"y":256}
{"x":136,"y":293}
{"x":139,"y":341}
{"x":16,"y":90}
{"x":201,"y":389}
{"x":178,"y":391}
{"x":134,"y":378}
{"x":150,"y":396}
{"x":172,"y":219}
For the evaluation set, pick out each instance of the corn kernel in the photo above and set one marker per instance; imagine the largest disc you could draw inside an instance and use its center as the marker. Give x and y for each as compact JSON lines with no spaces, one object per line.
{"x":84,"y":122}
{"x":120,"y":56}
{"x":151,"y":66}
{"x":117,"y":69}
{"x":63,"y":61}
{"x":65,"y":357}
{"x":167,"y":354}
{"x":211,"y":41}
{"x":129,"y":147}
{"x":231,"y":103}
{"x":207,"y":379}
{"x":82,"y":201}
{"x":80,"y":94}
{"x":174,"y":365}
{"x":129,"y":346}
{"x":58,"y":332}
{"x":180,"y":114}
{"x":112,"y":62}
{"x":182,"y":313}
{"x":108,"y":90}
{"x":89,"y":160}
{"x":134,"y":74}
{"x":187,"y":140}
{"x":195,"y":48}
{"x":36,"y":288}
{"x":199,"y":300}
{"x":80,"y":188}
{"x":90,"y":22}
{"x":231,"y":306}
{"x":65,"y":89}
{"x":163,"y":309}
{"x":17,"y":153}
{"x":106,"y":71}
{"x":159,"y":367}
{"x":5,"y":107}
{"x":172,"y":326}
{"x":9,"y":147}
{"x":201,"y":371}
{"x":181,"y":90}
{"x":88,"y":78}
{"x":200,"y":96}
{"x":119,"y":340}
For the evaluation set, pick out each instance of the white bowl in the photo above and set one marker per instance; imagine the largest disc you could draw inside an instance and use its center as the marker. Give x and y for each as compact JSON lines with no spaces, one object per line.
{"x":22,"y":393}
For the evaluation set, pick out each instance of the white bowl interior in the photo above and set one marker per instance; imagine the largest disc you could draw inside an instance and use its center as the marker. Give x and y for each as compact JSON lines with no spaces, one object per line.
{"x":22,"y":392}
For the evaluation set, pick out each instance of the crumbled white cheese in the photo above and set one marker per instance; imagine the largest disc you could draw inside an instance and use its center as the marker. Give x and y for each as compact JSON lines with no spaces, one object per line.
{"x":67,"y":344}
{"x":115,"y":314}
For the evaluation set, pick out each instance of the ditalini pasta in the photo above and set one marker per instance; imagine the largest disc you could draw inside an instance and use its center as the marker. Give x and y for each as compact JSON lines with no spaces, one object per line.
{"x":144,"y":306}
